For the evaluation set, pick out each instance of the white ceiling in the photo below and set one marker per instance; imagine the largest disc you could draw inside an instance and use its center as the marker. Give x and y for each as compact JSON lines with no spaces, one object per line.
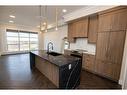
{"x":29,"y":15}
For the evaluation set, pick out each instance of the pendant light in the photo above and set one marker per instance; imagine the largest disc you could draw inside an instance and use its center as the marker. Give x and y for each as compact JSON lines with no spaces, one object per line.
{"x":40,"y":18}
{"x":45,"y":19}
{"x":56,"y":28}
{"x":43,"y":25}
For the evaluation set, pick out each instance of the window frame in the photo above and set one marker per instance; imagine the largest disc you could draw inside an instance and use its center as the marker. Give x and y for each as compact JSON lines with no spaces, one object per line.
{"x":19,"y":42}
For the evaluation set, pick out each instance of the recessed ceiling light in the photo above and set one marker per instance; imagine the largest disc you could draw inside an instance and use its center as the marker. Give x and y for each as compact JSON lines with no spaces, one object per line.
{"x":12,"y":16}
{"x":44,"y":23}
{"x":11,"y":21}
{"x":64,"y":10}
{"x":38,"y":26}
{"x":56,"y":28}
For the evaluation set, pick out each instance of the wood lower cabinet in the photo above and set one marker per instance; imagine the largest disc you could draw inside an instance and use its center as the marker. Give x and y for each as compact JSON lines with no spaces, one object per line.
{"x":88,"y":62}
{"x":93,"y":29}
{"x":104,"y":68}
{"x":108,"y":69}
{"x":109,"y":54}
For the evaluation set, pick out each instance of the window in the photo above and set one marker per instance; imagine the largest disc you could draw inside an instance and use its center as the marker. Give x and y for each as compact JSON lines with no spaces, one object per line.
{"x":33,"y":42}
{"x":21,"y":41}
{"x":12,"y":41}
{"x":24,"y":41}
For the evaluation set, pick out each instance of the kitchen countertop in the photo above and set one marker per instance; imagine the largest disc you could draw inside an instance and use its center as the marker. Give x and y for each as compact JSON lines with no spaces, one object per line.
{"x":57,"y":60}
{"x":83,"y":51}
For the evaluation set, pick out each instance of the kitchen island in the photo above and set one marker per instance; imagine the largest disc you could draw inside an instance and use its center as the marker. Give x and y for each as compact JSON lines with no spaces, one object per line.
{"x":62,"y":70}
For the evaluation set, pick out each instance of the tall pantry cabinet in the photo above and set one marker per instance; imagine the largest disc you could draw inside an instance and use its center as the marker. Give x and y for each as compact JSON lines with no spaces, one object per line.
{"x":110,"y":42}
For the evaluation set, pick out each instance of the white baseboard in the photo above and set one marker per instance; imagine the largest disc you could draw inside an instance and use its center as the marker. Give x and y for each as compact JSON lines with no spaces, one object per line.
{"x":6,"y":53}
{"x":17,"y":52}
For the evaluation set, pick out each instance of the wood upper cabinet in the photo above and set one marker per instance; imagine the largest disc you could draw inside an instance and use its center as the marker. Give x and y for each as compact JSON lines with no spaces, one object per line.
{"x":77,"y":29}
{"x":119,"y":20}
{"x":88,"y":62}
{"x":71,"y":33}
{"x":104,"y":22}
{"x":113,"y":20}
{"x":81,"y":27}
{"x":93,"y":28}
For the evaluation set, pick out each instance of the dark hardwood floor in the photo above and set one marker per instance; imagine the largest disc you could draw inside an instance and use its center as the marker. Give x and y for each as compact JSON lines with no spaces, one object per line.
{"x":15,"y":73}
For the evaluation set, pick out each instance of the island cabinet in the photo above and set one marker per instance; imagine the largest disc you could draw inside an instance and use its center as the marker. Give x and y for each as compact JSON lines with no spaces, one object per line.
{"x":62,"y":70}
{"x":113,"y":19}
{"x":109,"y":53}
{"x":49,"y":70}
{"x":88,"y":61}
{"x":93,"y":28}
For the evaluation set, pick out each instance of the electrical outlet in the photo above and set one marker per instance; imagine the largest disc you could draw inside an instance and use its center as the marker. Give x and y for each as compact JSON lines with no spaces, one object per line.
{"x":69,"y":66}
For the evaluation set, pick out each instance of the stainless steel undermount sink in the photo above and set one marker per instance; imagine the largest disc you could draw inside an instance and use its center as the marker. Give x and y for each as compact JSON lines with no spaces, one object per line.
{"x":53,"y":53}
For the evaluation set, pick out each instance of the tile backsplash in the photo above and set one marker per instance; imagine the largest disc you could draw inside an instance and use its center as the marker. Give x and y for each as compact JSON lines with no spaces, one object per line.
{"x":82,"y":43}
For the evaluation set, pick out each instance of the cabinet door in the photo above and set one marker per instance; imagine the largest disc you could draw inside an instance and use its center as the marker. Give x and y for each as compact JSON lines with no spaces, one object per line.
{"x":116,"y":46}
{"x":119,"y":20}
{"x":108,"y":69}
{"x":102,"y":45}
{"x":81,"y":27}
{"x":105,"y":22}
{"x":93,"y":29}
{"x":70,"y":33}
{"x":88,"y":62}
{"x":116,"y":71}
{"x":113,"y":21}
{"x":99,"y":66}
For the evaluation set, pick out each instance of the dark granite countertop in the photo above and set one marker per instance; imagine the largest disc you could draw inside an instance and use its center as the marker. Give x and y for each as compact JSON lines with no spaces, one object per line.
{"x":57,"y":60}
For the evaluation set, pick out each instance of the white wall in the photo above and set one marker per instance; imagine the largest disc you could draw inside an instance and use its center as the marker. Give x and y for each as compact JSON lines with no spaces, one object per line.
{"x":125,"y":83}
{"x":3,"y":27}
{"x":123,"y":75}
{"x":55,"y":37}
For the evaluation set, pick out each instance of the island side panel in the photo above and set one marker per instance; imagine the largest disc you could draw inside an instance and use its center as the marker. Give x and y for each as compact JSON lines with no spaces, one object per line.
{"x":50,"y":70}
{"x":32,"y":60}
